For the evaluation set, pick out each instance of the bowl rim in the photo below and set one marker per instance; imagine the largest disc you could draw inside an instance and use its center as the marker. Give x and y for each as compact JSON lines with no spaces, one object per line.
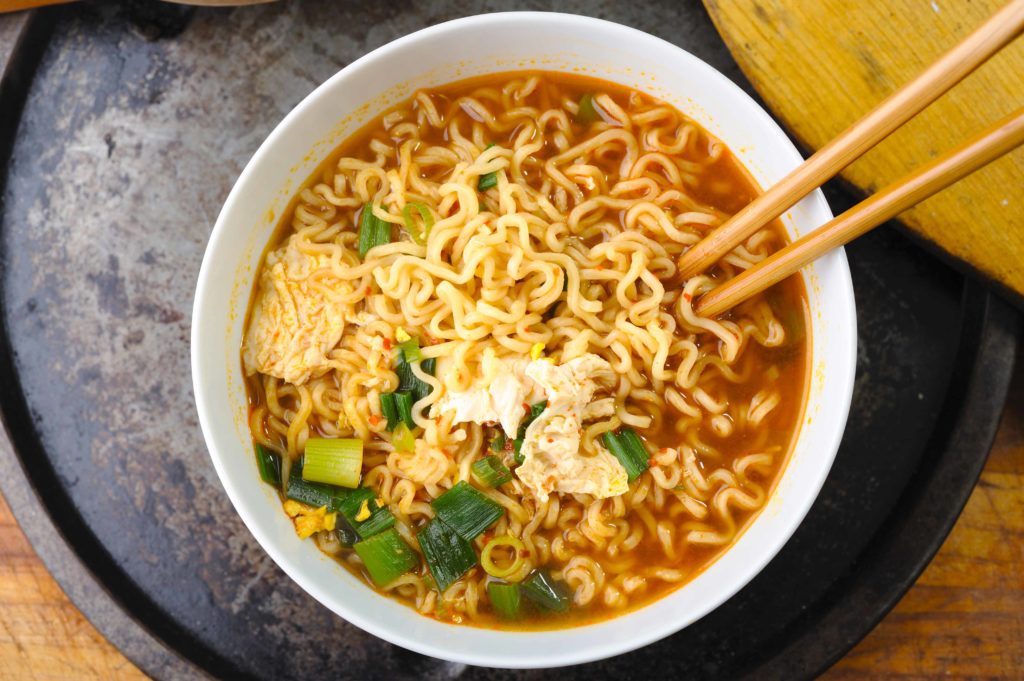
{"x":395,"y":635}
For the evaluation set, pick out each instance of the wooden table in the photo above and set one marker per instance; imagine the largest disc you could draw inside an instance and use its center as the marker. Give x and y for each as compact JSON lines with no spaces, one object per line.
{"x":964,"y":618}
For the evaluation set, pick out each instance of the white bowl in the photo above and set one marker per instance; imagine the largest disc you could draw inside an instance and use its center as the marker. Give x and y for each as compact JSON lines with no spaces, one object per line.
{"x":441,"y":54}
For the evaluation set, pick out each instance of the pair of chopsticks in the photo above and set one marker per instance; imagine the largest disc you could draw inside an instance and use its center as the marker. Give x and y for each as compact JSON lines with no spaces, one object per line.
{"x":875,"y":126}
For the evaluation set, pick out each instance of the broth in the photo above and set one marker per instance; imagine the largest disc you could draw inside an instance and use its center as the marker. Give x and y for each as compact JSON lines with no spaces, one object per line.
{"x":721,"y":437}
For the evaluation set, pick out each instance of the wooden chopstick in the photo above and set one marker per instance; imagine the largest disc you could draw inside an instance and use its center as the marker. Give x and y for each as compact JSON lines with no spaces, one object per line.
{"x":956,"y":164}
{"x":876,"y":125}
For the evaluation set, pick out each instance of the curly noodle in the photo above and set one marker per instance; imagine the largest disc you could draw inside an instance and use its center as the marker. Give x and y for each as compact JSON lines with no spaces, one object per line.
{"x":574,"y":247}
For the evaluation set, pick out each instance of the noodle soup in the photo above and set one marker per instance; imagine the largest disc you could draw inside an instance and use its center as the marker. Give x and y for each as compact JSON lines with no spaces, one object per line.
{"x":474,"y":376}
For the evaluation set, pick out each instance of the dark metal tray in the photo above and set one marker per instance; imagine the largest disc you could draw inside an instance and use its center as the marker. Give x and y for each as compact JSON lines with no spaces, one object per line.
{"x":134,"y":122}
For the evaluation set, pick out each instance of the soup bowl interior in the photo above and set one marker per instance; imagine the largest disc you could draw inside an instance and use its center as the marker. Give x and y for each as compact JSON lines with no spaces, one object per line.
{"x":438,"y":55}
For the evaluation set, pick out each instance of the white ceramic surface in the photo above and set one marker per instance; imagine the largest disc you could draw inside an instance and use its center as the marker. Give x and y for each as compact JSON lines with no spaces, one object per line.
{"x":440,"y":54}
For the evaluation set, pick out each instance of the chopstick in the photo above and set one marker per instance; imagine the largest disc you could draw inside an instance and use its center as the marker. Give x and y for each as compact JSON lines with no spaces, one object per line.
{"x":993,"y":142}
{"x":873,"y":127}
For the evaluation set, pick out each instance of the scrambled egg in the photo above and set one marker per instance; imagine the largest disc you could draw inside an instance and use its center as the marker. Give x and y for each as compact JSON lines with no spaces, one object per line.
{"x":551,"y":447}
{"x":294,"y":323}
{"x":552,"y":461}
{"x":497,"y":396}
{"x":309,"y":520}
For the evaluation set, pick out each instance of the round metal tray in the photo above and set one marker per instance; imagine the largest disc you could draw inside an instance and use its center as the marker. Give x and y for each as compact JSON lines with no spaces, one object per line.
{"x":123,"y":130}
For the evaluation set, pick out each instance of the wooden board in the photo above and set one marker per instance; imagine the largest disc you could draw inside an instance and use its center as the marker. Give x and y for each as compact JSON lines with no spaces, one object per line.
{"x":821,"y":64}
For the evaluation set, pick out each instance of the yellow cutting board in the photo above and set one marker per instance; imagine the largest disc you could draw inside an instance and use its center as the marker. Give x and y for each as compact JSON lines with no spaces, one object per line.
{"x":821,"y":64}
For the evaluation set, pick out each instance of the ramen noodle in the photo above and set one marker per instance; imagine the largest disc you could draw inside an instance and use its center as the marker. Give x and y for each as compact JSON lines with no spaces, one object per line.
{"x":475,"y":376}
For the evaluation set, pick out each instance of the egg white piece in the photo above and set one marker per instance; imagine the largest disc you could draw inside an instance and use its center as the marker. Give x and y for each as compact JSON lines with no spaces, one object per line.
{"x":294,"y":324}
{"x":552,"y":460}
{"x":497,"y":396}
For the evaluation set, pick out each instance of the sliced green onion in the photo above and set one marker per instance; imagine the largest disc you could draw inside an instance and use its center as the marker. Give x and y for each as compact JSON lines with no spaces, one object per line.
{"x":467,"y":510}
{"x":390,"y":409}
{"x":636,"y":447}
{"x":505,"y":599}
{"x":379,"y":519}
{"x":546,"y":592}
{"x":403,"y":439}
{"x":491,"y":471}
{"x":353,"y":502}
{"x":347,"y":535}
{"x":408,"y":381}
{"x":367,"y":230}
{"x":629,"y":450}
{"x":448,"y":555}
{"x":311,"y":493}
{"x":386,"y":557}
{"x":487,"y":180}
{"x":423,"y":388}
{"x":618,"y":448}
{"x":552,"y":310}
{"x":535,"y":411}
{"x":498,"y":443}
{"x":410,"y":226}
{"x":492,"y":568}
{"x":586,"y":113}
{"x":517,"y":446}
{"x":334,"y":461}
{"x":372,"y":231}
{"x":269,"y":465}
{"x":383,"y":232}
{"x":411,"y":350}
{"x":404,"y":403}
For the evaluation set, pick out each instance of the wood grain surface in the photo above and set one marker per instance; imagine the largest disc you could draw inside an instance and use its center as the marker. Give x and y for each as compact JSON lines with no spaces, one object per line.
{"x":821,"y":64}
{"x":964,"y":619}
{"x":42,"y":635}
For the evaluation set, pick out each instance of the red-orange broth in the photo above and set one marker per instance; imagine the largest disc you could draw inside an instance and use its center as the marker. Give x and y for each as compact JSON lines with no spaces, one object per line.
{"x":723,"y":185}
